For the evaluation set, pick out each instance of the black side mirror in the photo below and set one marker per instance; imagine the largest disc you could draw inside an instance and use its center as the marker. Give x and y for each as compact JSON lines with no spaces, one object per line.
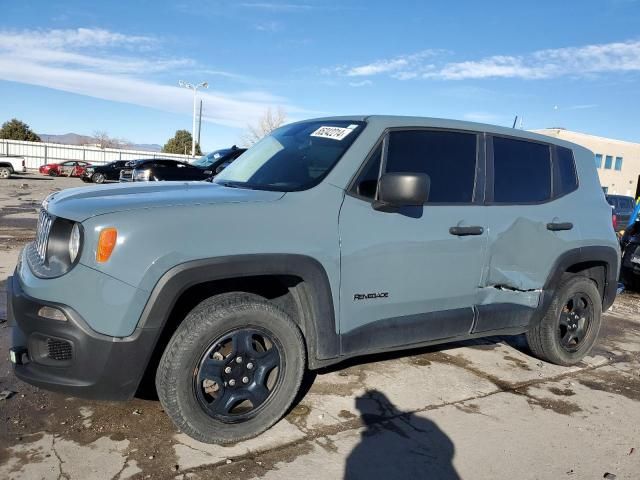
{"x":397,"y":190}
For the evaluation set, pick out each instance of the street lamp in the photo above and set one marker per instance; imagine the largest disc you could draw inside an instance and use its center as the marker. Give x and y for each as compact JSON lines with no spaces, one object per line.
{"x":193,"y":128}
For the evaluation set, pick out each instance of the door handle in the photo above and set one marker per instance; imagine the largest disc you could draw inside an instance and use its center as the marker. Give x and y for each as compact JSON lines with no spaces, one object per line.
{"x":464,"y":231}
{"x":558,"y":226}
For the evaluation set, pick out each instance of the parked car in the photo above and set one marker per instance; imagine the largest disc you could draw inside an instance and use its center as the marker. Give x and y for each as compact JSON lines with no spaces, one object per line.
{"x":102,"y":173}
{"x":630,"y":269}
{"x":218,"y":160}
{"x":72,"y":168}
{"x":622,"y":207}
{"x":159,"y":169}
{"x":10,"y":165}
{"x":328,"y":239}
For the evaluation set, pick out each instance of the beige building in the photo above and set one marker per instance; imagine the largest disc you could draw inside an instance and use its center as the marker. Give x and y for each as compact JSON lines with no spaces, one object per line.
{"x":618,"y":162}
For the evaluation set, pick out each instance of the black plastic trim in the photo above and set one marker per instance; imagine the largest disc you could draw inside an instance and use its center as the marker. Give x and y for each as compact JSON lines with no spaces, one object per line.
{"x":320,"y":329}
{"x":404,"y":331}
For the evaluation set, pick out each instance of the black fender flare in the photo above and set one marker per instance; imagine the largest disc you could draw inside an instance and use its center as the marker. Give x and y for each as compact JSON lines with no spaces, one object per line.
{"x":318,"y":322}
{"x":601,"y":254}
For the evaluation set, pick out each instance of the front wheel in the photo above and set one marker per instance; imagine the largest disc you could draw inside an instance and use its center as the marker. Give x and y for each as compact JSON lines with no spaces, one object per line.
{"x":570,"y":327}
{"x":53,"y":173}
{"x":98,"y":178}
{"x":231,"y":369}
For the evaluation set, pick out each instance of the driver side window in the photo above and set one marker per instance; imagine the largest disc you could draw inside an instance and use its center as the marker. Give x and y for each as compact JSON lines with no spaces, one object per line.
{"x":448,"y":158}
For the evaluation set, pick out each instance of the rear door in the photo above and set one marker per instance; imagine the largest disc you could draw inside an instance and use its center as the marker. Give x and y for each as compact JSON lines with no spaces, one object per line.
{"x":407,"y":277}
{"x":531,"y":208}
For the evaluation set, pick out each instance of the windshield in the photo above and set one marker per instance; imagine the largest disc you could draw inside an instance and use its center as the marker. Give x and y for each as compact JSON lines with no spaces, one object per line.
{"x":294,"y":157}
{"x":209,"y":158}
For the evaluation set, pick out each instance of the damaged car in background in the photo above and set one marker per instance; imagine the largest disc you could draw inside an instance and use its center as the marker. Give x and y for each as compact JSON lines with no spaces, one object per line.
{"x":328,"y":239}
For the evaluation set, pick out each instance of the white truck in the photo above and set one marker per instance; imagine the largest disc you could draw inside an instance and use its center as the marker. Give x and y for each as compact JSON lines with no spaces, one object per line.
{"x":10,"y":165}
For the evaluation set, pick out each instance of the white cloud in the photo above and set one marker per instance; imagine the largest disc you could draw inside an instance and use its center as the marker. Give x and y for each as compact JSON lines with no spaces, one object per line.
{"x":363,"y":83}
{"x":91,"y":62}
{"x":400,"y":64}
{"x":542,"y":64}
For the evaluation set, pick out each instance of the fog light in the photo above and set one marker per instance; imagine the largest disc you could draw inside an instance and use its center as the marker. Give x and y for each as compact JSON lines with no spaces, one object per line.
{"x":52,"y":313}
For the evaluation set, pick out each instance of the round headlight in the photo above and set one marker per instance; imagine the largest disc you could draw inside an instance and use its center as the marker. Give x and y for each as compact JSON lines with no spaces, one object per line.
{"x":74,"y":242}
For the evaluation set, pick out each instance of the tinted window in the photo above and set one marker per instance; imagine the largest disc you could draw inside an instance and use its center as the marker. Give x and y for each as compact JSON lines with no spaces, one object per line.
{"x":608,"y":160}
{"x":564,"y":172}
{"x":618,"y":165}
{"x":367,"y":183}
{"x":522,"y":171}
{"x":598,"y":160}
{"x":449,"y":158}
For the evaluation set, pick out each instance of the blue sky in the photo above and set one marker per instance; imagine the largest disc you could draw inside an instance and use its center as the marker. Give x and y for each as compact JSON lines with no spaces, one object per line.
{"x":77,"y":66}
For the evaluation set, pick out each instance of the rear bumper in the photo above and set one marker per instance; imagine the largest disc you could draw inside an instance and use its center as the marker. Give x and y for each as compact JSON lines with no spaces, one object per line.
{"x":68,"y":356}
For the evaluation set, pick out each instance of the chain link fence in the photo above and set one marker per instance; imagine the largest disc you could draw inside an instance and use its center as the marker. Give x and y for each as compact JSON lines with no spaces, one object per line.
{"x":40,"y":153}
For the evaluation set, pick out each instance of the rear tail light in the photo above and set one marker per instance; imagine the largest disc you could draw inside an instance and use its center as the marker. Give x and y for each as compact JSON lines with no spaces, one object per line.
{"x":23,"y":162}
{"x":614,"y":220}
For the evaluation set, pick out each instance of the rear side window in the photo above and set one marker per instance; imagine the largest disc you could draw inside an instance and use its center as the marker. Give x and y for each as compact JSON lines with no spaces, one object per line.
{"x":522,"y":171}
{"x":564,"y":172}
{"x":449,"y":158}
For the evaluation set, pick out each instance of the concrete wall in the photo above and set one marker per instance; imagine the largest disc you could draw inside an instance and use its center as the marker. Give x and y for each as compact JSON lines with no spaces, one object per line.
{"x":39,"y":153}
{"x":621,"y":182}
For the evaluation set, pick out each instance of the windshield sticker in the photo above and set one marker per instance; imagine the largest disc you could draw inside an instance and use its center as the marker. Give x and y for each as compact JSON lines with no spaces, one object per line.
{"x":334,"y":133}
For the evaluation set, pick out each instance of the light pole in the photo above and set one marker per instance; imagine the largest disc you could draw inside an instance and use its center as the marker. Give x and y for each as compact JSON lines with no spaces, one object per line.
{"x":193,"y":127}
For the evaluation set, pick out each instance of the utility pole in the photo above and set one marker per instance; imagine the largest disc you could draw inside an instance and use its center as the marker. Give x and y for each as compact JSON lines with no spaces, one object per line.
{"x":193,"y":125}
{"x":199,"y":122}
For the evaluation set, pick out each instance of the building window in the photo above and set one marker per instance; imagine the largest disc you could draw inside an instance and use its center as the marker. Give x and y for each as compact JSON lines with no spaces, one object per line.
{"x":598,"y":160}
{"x":618,"y":165}
{"x":608,"y":161}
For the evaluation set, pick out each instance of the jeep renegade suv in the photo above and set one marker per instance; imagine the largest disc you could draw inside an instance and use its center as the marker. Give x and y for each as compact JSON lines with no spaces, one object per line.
{"x":328,"y":239}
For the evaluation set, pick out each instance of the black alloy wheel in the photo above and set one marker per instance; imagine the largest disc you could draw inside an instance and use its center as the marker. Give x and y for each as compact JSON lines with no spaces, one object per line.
{"x":575,"y":321}
{"x":237,"y":375}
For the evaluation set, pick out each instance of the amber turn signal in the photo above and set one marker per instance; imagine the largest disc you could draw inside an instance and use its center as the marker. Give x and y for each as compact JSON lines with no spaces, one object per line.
{"x":106,"y":244}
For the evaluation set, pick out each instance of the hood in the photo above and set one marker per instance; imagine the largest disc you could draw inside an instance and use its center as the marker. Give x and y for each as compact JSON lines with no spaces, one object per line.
{"x":78,"y":204}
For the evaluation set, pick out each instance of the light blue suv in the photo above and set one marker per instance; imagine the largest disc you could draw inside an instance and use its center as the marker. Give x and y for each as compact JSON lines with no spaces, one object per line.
{"x":329,"y":239}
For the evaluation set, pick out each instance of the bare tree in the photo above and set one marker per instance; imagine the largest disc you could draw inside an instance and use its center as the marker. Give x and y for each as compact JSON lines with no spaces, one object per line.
{"x":270,"y":120}
{"x":104,"y":140}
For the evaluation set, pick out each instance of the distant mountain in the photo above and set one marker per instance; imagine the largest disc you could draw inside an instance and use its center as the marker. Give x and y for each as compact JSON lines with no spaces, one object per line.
{"x":76,"y":139}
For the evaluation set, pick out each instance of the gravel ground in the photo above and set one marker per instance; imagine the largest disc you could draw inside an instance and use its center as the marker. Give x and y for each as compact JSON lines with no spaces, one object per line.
{"x":480,"y":410}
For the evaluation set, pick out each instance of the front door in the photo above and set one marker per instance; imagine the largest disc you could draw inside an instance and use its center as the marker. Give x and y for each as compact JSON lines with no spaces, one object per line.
{"x":412,"y":276}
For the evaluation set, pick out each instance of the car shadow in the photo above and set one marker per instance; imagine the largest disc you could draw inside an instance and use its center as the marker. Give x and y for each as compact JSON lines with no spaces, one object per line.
{"x":16,"y":178}
{"x":397,"y":444}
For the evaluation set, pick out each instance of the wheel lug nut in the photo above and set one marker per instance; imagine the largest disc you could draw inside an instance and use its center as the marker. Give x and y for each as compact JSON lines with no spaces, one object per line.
{"x":245,"y":379}
{"x":249,"y":365}
{"x":227,"y":370}
{"x":238,"y":359}
{"x":232,"y":382}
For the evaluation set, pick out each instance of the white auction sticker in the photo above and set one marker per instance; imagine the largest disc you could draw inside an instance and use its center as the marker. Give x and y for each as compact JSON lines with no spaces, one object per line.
{"x":334,"y":133}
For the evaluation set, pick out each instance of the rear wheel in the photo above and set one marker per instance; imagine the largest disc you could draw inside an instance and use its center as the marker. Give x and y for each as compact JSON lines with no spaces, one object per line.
{"x":97,"y":178}
{"x":5,"y":172}
{"x":232,"y":368}
{"x":570,"y":327}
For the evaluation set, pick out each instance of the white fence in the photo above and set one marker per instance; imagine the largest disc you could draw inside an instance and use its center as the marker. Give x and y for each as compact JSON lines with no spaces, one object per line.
{"x":39,"y":153}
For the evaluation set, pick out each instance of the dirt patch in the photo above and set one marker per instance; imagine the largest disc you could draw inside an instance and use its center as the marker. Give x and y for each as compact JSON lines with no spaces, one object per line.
{"x":420,"y":360}
{"x":356,"y":377}
{"x":346,"y":414}
{"x":468,"y":407}
{"x":518,"y":362}
{"x":563,"y":392}
{"x":559,"y":406}
{"x":614,"y":382}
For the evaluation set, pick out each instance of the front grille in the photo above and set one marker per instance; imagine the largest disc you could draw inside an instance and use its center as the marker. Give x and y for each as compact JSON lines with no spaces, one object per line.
{"x":42,"y":233}
{"x":59,"y":350}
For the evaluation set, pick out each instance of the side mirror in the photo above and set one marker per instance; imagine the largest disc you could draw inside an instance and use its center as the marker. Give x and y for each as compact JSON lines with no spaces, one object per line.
{"x":397,"y":190}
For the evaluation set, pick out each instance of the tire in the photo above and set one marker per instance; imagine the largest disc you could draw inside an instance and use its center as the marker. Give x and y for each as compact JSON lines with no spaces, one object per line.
{"x":53,"y":173}
{"x":547,"y":340}
{"x":5,"y":172}
{"x":97,"y":178}
{"x":204,"y":330}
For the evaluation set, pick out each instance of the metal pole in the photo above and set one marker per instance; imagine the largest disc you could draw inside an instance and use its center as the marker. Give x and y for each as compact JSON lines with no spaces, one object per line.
{"x":193,"y":126}
{"x":199,"y":122}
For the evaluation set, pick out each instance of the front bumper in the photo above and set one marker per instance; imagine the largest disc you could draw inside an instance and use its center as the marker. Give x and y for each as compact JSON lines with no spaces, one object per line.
{"x":68,"y":356}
